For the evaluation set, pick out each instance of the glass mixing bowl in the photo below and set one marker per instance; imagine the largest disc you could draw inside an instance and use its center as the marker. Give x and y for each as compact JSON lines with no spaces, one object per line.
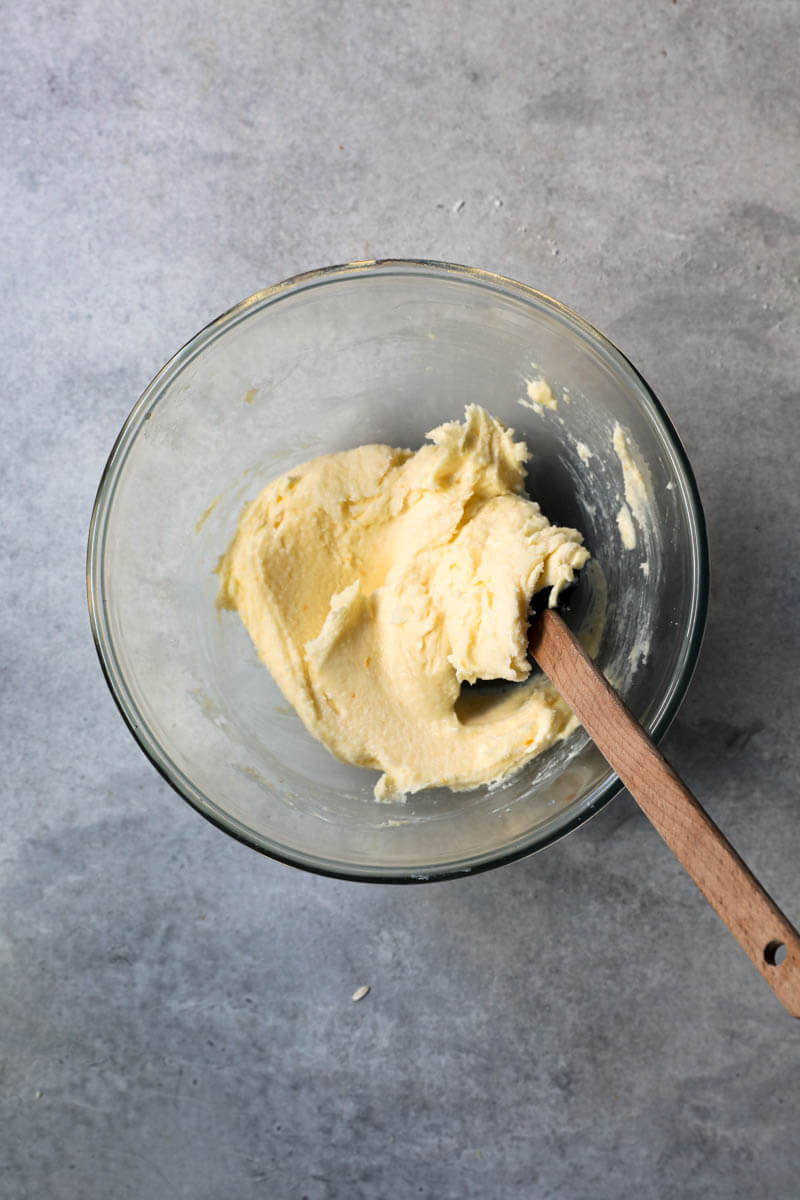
{"x":379,"y":352}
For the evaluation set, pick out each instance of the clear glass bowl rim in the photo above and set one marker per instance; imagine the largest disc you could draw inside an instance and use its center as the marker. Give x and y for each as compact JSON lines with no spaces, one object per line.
{"x":115,"y":462}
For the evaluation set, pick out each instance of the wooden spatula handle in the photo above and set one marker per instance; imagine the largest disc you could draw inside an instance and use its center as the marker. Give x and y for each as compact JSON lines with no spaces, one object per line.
{"x":753,"y":918}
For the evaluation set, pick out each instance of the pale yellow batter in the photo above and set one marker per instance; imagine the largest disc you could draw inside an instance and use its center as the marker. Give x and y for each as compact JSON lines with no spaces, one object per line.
{"x":540,"y":395}
{"x":374,"y":582}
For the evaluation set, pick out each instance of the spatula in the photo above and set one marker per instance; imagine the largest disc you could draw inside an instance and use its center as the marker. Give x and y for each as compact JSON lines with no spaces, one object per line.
{"x":763,"y":932}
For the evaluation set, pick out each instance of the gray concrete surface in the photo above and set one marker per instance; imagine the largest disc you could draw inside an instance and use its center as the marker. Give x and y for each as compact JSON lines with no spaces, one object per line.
{"x":176,"y":1017}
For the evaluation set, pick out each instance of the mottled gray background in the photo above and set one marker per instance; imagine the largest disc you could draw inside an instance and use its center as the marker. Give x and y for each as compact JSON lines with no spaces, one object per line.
{"x":176,"y":1017}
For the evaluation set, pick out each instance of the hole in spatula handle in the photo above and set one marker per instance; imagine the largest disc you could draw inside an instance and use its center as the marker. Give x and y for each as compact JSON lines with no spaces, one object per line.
{"x":774,"y":953}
